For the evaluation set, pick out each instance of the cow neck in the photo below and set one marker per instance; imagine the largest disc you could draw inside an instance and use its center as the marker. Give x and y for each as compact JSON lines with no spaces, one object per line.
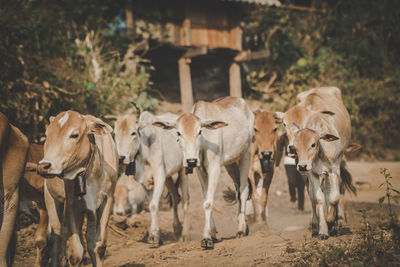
{"x":91,"y":157}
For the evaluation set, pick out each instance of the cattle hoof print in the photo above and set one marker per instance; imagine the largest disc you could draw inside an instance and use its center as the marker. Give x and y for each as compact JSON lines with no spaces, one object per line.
{"x":207,"y":243}
{"x":323,"y":237}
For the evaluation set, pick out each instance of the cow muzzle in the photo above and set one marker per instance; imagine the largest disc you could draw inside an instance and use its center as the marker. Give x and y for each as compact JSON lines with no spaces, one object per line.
{"x":302,"y":168}
{"x":130,"y":169}
{"x":43,"y":169}
{"x":191,"y":164}
{"x":265,"y":161}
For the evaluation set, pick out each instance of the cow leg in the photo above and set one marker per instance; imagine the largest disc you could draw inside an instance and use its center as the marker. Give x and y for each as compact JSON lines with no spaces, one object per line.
{"x":254,"y":196}
{"x":185,"y":204}
{"x":173,"y":190}
{"x":266,"y":183}
{"x":159,"y":181}
{"x":202,"y":174}
{"x":74,"y":223}
{"x":341,"y":212}
{"x":314,"y":220}
{"x":40,"y":238}
{"x":320,"y":207}
{"x":244,"y":165}
{"x":8,"y":212}
{"x":300,"y":191}
{"x":334,"y":196}
{"x":55,"y":214}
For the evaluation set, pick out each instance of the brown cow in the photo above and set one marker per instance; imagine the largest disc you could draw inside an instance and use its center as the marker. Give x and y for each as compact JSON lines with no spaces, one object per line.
{"x":13,"y":150}
{"x":263,"y":150}
{"x":32,"y":190}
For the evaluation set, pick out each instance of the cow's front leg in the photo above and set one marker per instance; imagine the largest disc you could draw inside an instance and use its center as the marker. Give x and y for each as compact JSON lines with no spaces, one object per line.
{"x":244,"y":166}
{"x":266,"y":183}
{"x":314,"y":220}
{"x":209,"y":231}
{"x":320,"y":207}
{"x":154,"y":234}
{"x":185,"y":204}
{"x":173,"y":190}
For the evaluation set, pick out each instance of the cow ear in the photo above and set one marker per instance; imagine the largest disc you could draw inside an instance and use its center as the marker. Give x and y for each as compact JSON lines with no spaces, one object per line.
{"x":164,"y":125}
{"x":97,"y":126}
{"x":51,"y":119}
{"x":212,"y":125}
{"x":329,"y":137}
{"x":278,"y":116}
{"x":295,"y":128}
{"x":327,"y":112}
{"x":353,"y":147}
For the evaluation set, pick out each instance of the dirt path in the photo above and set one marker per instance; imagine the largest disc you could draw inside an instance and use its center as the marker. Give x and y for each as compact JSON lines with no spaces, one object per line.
{"x":265,"y":244}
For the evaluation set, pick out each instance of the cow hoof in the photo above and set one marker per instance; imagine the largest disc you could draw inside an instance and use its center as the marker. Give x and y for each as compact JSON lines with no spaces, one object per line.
{"x":207,"y":243}
{"x":323,"y":237}
{"x":185,"y":237}
{"x":314,"y":234}
{"x":243,"y":234}
{"x":154,"y":240}
{"x":333,"y":229}
{"x":177,"y":230}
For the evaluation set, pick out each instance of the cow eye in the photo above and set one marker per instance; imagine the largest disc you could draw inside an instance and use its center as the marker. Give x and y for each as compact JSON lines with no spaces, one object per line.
{"x":275,"y":129}
{"x":178,"y":133}
{"x":313,"y":145}
{"x":200,"y":132}
{"x":284,"y":124}
{"x":74,"y":136}
{"x":133,"y":133}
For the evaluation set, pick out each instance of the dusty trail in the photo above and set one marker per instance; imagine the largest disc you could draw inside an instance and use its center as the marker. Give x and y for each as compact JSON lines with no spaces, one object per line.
{"x":265,"y":244}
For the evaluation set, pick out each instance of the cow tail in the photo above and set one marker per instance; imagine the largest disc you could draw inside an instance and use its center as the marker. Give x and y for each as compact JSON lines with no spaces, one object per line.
{"x":347,"y":178}
{"x":230,"y":196}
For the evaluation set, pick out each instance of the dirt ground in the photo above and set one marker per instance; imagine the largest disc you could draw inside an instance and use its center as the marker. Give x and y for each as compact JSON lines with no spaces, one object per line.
{"x":265,"y":244}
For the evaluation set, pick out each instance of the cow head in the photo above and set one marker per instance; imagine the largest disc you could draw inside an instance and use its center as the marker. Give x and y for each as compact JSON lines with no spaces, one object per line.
{"x":189,"y":129}
{"x":264,"y":138}
{"x":307,"y":145}
{"x":67,"y":148}
{"x":295,"y":115}
{"x":126,"y":137}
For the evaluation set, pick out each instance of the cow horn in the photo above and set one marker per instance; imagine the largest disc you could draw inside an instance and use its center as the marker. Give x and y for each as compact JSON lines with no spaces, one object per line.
{"x":137,"y":109}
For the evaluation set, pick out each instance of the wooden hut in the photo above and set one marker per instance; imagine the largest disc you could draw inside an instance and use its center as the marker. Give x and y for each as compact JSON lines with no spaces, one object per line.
{"x":190,"y":29}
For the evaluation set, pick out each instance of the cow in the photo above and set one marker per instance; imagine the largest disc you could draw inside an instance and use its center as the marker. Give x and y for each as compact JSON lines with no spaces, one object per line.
{"x":80,"y":150}
{"x":263,"y":154}
{"x":32,"y":191}
{"x":13,"y":151}
{"x":151,"y":152}
{"x":321,"y":121}
{"x":129,"y":196}
{"x":213,"y":135}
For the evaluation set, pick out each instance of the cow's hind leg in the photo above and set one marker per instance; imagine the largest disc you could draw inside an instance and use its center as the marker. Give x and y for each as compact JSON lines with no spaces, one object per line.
{"x":40,"y":239}
{"x":173,"y":190}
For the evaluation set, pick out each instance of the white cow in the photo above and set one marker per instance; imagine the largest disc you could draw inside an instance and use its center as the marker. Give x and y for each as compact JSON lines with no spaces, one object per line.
{"x":80,"y":149}
{"x":216,"y":134}
{"x":151,"y":152}
{"x":129,"y":196}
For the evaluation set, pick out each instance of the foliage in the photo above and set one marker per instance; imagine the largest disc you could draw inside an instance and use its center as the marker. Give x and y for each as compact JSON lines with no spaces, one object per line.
{"x":349,"y":44}
{"x":56,"y":56}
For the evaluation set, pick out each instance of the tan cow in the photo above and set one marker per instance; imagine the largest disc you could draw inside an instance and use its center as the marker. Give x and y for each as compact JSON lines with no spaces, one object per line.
{"x":80,"y":149}
{"x":32,"y":190}
{"x":264,"y":147}
{"x":320,"y":121}
{"x":217,"y":134}
{"x":13,"y":150}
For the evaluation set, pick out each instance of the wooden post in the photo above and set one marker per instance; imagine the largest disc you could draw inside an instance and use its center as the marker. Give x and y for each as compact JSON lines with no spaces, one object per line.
{"x":185,"y":82}
{"x":129,"y":16}
{"x":235,"y":84}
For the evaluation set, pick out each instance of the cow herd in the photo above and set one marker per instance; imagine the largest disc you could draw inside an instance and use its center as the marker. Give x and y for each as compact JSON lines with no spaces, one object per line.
{"x":80,"y":163}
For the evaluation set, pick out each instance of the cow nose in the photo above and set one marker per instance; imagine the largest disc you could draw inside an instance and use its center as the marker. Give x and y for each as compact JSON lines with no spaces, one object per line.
{"x":266,"y":155}
{"x":43,"y":167}
{"x":119,"y":213}
{"x":292,"y":149}
{"x":191,"y":163}
{"x":121,"y":159}
{"x":302,"y":167}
